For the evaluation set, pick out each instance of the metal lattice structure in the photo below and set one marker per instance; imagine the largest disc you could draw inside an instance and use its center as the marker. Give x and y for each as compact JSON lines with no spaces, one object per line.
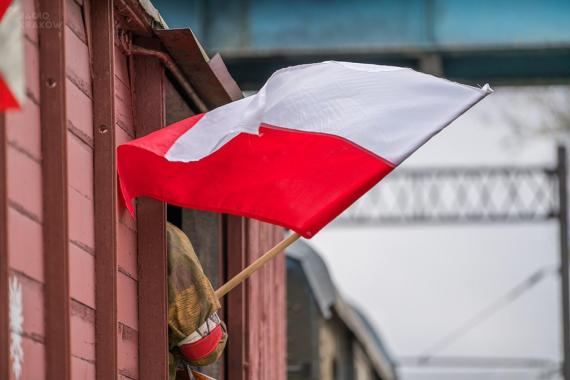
{"x":455,"y":195}
{"x":477,"y":195}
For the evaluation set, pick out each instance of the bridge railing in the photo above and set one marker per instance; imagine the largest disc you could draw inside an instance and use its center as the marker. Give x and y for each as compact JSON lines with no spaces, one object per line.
{"x":459,"y":194}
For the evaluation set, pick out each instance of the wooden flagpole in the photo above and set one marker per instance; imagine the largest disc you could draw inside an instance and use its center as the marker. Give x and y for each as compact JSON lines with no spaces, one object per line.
{"x":249,"y":270}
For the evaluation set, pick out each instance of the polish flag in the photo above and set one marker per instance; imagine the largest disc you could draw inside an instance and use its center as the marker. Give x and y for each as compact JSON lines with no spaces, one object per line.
{"x":12,"y":87}
{"x":299,"y":152}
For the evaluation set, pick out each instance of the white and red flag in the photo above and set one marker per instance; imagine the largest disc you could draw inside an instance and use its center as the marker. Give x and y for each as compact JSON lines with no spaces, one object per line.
{"x":312,"y":141}
{"x":12,"y":86}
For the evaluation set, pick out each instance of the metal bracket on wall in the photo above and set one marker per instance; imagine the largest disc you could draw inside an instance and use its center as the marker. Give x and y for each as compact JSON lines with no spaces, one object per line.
{"x":129,"y":48}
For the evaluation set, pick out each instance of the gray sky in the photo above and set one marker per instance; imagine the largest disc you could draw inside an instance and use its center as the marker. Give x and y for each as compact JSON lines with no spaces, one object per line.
{"x":419,"y":283}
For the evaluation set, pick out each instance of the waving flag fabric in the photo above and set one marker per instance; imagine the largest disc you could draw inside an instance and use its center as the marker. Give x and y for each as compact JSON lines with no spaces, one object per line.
{"x":12,"y":88}
{"x":312,"y":141}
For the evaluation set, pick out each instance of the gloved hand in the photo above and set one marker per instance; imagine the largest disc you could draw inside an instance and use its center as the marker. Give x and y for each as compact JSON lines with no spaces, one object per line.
{"x":205,"y":345}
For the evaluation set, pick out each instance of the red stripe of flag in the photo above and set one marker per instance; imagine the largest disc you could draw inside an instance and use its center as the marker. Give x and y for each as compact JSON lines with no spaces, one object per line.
{"x":299,"y":180}
{"x":4,"y":4}
{"x":7,"y":99}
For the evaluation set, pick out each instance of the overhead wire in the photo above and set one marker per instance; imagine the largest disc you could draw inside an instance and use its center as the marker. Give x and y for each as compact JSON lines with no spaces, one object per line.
{"x":483,"y":315}
{"x":489,"y":362}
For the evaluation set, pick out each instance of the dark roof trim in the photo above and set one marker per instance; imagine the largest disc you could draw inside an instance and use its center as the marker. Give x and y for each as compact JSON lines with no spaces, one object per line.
{"x":209,"y":78}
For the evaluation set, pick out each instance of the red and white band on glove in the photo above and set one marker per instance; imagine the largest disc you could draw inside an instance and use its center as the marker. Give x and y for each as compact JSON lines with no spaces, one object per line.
{"x":204,"y":340}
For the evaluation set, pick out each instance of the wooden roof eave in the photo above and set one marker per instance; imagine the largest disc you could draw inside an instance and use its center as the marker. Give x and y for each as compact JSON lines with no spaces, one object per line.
{"x":191,"y":67}
{"x":209,"y":77}
{"x":141,"y":16}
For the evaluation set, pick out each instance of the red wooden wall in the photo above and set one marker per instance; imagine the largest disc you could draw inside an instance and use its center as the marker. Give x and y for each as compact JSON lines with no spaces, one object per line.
{"x":256,"y":310}
{"x":126,"y":231}
{"x":80,"y":147}
{"x":266,"y":306}
{"x":26,"y":254}
{"x":24,"y":184}
{"x":92,"y":312}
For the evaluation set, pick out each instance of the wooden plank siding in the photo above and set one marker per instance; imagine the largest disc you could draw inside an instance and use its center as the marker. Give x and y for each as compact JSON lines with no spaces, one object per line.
{"x":53,"y":118}
{"x":101,"y":35}
{"x":152,"y":285}
{"x":4,"y":283}
{"x":236,"y":300}
{"x":126,"y":226}
{"x":265,"y":306}
{"x":81,"y":179}
{"x":92,"y":278}
{"x":23,"y":153}
{"x":255,"y":310}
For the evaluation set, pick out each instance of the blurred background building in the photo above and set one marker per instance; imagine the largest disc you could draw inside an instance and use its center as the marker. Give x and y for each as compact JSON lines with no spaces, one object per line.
{"x":327,"y":338}
{"x":501,"y":42}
